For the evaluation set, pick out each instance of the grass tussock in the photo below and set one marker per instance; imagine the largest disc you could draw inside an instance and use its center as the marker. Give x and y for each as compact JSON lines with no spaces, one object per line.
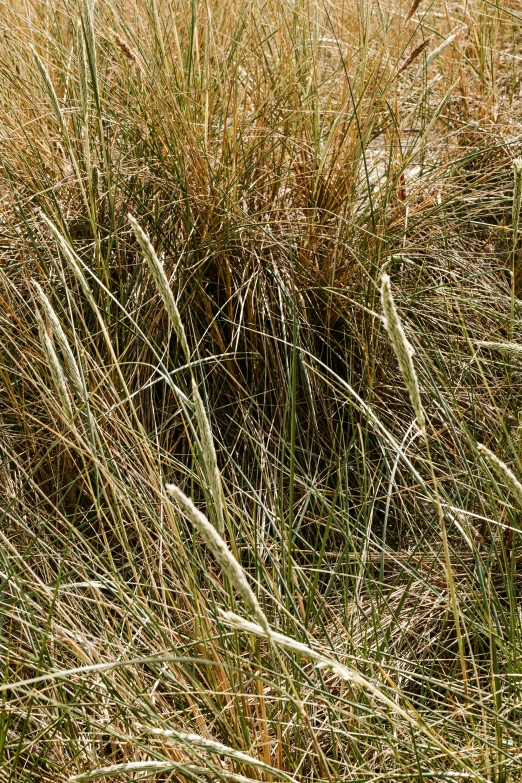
{"x":227,"y":551}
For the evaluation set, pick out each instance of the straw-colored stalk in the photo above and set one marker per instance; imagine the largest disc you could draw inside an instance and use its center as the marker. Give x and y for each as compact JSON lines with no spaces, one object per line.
{"x":503,"y":472}
{"x":517,"y":198}
{"x":238,"y":578}
{"x":402,"y":348}
{"x":72,"y":259}
{"x":207,"y":441}
{"x":209,"y":456}
{"x":161,"y":280}
{"x":515,"y":224}
{"x":221,"y":553}
{"x":404,"y":353}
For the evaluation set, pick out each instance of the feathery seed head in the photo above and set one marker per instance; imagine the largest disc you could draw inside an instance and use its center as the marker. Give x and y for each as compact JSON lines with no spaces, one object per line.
{"x":413,"y":8}
{"x":402,"y":348}
{"x":503,"y":472}
{"x":222,"y":554}
{"x":161,"y":280}
{"x":286,"y":642}
{"x":512,"y":348}
{"x":130,"y":767}
{"x":55,"y":367}
{"x":127,"y":50}
{"x":413,"y":56}
{"x":197,"y":742}
{"x":292,"y":645}
{"x":61,"y":339}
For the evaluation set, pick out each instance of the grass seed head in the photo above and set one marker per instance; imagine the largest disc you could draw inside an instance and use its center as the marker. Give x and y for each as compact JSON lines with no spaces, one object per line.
{"x":224,"y":557}
{"x":198,"y":743}
{"x":161,"y":280}
{"x":413,"y":8}
{"x":510,"y":348}
{"x":127,"y":51}
{"x":61,"y":339}
{"x":402,"y":348}
{"x":55,"y":367}
{"x":503,"y":472}
{"x":413,"y":56}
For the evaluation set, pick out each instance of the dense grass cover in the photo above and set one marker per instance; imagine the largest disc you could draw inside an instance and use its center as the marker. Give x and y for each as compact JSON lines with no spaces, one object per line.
{"x":199,"y":201}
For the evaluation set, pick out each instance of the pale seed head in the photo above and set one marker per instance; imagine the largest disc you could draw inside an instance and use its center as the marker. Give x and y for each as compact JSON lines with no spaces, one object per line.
{"x":503,"y":473}
{"x":510,"y":348}
{"x":402,"y":348}
{"x":221,"y":553}
{"x":61,"y":339}
{"x":55,"y":367}
{"x":161,"y":280}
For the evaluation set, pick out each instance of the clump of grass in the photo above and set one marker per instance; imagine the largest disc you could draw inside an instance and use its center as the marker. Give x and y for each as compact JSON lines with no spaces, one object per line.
{"x":198,"y":205}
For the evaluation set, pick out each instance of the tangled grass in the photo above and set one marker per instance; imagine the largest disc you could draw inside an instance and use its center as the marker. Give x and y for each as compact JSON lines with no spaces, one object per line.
{"x":278,"y":160}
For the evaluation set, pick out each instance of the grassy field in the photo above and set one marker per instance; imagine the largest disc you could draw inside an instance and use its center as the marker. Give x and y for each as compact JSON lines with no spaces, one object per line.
{"x":229,"y":548}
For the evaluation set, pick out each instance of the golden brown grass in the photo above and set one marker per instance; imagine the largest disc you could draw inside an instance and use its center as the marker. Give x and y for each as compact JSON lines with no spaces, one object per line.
{"x":278,"y":158}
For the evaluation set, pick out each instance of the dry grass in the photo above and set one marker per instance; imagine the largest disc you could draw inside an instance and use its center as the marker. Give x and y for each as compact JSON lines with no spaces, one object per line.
{"x":281,"y":158}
